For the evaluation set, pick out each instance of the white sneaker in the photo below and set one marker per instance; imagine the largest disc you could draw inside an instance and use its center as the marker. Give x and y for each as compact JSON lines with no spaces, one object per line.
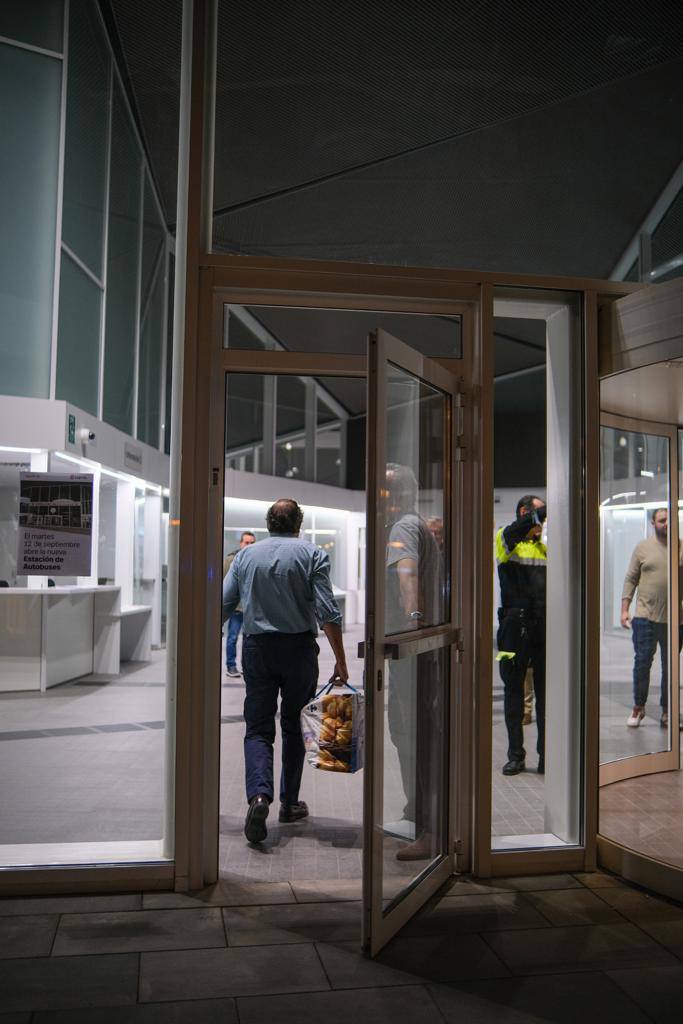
{"x":637,"y":715}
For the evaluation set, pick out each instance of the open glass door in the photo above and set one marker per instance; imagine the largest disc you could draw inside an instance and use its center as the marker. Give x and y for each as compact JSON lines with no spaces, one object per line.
{"x":411,"y":635}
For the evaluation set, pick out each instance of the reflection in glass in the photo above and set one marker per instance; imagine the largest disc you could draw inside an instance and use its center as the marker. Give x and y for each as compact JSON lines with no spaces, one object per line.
{"x":414,"y":505}
{"x":414,"y":754}
{"x":634,"y":665}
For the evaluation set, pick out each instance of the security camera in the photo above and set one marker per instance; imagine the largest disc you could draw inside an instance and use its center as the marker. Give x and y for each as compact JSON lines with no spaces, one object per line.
{"x":86,"y":434}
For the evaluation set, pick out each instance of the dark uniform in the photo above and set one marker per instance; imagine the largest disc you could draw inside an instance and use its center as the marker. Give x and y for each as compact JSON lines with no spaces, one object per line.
{"x":522,"y":562}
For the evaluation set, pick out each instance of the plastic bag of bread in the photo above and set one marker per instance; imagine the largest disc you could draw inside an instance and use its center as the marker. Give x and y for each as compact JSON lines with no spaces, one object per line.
{"x":332,"y":726}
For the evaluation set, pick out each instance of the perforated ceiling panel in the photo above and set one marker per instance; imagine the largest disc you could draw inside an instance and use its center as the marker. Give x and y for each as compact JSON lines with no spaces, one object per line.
{"x":527,"y":136}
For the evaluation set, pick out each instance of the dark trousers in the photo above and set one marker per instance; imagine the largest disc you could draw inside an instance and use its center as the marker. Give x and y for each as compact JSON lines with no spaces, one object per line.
{"x":272,"y":664}
{"x":234,"y":627}
{"x":646,"y":635}
{"x":521,"y":633}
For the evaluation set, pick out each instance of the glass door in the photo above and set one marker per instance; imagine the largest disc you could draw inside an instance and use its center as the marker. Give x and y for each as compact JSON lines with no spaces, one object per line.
{"x":639,"y":698}
{"x":411,"y":635}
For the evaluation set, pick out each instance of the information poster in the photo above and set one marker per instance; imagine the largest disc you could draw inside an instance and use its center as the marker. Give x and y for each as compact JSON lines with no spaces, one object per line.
{"x":55,"y":524}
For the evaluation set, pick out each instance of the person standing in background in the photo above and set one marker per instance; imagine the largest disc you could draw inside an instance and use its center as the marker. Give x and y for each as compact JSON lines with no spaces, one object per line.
{"x":522,"y":560}
{"x":648,"y":573}
{"x":235,"y":620}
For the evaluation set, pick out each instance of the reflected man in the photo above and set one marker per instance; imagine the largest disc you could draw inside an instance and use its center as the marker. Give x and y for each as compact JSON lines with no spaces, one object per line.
{"x":522,"y":559}
{"x":648,"y":572}
{"x":414,"y":598}
{"x":235,"y":620}
{"x":284,"y":586}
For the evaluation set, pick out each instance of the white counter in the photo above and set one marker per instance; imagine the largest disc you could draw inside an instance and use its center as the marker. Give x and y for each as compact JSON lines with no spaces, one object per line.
{"x":53,"y":634}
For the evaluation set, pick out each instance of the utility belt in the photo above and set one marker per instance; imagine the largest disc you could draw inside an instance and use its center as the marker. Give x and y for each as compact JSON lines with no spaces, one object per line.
{"x":528,"y":615}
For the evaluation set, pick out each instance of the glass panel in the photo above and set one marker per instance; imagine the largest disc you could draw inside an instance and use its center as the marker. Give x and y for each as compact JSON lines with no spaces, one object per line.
{"x":30,"y":86}
{"x":87,"y":121}
{"x":414,"y":788}
{"x":150,"y":360}
{"x":139,"y":548}
{"x":634,"y":576}
{"x":39,"y":23}
{"x":537,"y":614}
{"x":328,"y":456}
{"x":11,"y":465}
{"x":122,"y":271}
{"x":244,"y":421}
{"x":338,"y":330}
{"x":153,"y":237}
{"x":106,"y":540}
{"x":78,"y":352}
{"x":416,"y":582}
{"x":290,"y":444}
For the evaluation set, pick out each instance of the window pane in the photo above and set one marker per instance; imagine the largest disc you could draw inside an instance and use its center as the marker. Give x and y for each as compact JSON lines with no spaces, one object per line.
{"x":151,"y":354}
{"x":338,"y":330}
{"x":87,"y":119}
{"x":537,"y":615}
{"x":153,"y":236}
{"x":290,"y":442}
{"x":78,"y":352}
{"x":30,"y":86}
{"x":38,"y":22}
{"x":122,"y":271}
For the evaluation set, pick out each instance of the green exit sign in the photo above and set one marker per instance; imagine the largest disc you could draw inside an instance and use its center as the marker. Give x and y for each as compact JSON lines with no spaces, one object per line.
{"x":72,"y":429}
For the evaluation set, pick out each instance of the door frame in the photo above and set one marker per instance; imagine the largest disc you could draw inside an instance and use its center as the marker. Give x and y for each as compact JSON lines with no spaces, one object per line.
{"x":201,"y":511}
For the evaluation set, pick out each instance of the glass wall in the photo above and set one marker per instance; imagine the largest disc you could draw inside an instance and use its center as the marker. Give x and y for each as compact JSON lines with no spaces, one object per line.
{"x":30,"y":86}
{"x":634,"y":574}
{"x":537,"y":685}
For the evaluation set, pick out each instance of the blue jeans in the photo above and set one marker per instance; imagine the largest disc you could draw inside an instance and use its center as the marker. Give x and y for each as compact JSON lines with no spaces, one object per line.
{"x":234,"y":627}
{"x":272,"y":664}
{"x":646,"y":635}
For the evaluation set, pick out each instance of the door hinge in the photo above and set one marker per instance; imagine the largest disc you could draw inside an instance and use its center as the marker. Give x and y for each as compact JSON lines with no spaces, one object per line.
{"x":460,"y":447}
{"x":459,"y":643}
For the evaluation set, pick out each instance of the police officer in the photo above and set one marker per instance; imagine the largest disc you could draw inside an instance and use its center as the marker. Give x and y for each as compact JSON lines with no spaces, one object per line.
{"x":522,"y":558}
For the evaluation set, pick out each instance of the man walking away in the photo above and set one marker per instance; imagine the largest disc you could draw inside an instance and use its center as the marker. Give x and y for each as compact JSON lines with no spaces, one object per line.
{"x":283,"y":584}
{"x":235,"y":620}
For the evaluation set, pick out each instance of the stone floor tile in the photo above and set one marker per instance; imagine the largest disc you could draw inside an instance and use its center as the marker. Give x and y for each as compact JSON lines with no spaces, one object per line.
{"x":259,"y":926}
{"x":138,"y":931}
{"x":200,"y":1011}
{"x":27,"y":936}
{"x":598,"y":880}
{"x":15,"y":1018}
{"x":328,"y":891}
{"x":347,"y":967}
{"x":563,"y":999}
{"x":573,"y":906}
{"x":409,"y":1005}
{"x":442,"y":958}
{"x":657,"y":989}
{"x":641,"y":907}
{"x":579,"y":948}
{"x":475,"y":914}
{"x":669,"y":933}
{"x":223,"y":894}
{"x":216,"y":973}
{"x":51,"y":983}
{"x":68,"y":904}
{"x":537,"y":883}
{"x":472,"y":887}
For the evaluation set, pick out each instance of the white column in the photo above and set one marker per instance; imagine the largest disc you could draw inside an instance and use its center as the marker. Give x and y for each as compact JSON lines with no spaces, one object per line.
{"x":125,"y":540}
{"x":151,"y":571}
{"x":563,"y":639}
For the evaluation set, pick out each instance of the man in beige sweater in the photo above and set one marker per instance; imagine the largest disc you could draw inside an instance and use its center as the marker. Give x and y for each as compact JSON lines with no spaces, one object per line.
{"x":648,"y":572}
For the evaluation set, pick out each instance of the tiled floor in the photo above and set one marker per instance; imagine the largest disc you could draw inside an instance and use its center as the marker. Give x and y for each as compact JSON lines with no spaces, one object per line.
{"x":513,"y":951}
{"x":644,"y":814}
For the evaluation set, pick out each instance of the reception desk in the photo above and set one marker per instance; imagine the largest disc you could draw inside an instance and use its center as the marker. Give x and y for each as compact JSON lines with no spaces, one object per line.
{"x":51,"y":635}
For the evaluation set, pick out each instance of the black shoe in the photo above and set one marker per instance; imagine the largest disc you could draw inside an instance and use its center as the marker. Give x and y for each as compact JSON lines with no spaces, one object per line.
{"x":293,"y":812}
{"x":255,"y":822}
{"x":513,"y":767}
{"x":541,"y":766}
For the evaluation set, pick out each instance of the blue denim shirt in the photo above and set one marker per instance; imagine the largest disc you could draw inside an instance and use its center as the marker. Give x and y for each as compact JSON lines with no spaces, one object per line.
{"x":283,"y":585}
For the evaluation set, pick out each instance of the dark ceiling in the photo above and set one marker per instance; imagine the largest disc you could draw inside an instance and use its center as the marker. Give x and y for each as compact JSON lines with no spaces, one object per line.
{"x":530,"y":137}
